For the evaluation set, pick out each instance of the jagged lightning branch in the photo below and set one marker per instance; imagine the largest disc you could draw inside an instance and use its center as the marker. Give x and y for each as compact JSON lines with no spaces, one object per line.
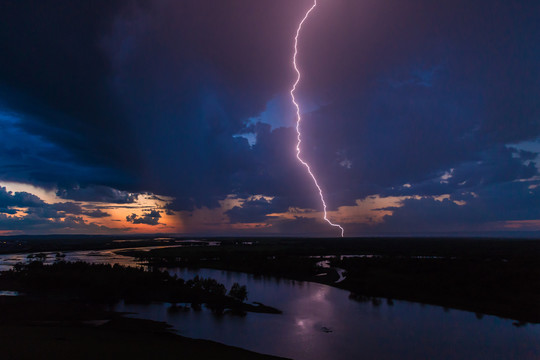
{"x":299,"y":118}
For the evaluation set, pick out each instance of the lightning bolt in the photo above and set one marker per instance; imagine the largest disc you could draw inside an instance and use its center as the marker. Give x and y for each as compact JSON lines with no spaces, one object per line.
{"x":299,"y":117}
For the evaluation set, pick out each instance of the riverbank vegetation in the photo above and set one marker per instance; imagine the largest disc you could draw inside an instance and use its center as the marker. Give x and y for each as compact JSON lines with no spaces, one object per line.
{"x":53,"y":328}
{"x":487,"y":276}
{"x":61,"y":313}
{"x":506,"y":288}
{"x":109,"y":283}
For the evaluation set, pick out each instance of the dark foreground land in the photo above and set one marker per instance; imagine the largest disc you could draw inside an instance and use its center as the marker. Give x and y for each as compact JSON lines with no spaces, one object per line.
{"x":38,"y":328}
{"x":62,"y":314}
{"x":488,"y":276}
{"x":43,"y":243}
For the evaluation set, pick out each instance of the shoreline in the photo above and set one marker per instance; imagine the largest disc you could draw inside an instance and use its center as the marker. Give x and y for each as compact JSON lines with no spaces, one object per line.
{"x":289,"y":259}
{"x":490,"y":297}
{"x":53,"y":329}
{"x":376,"y":298}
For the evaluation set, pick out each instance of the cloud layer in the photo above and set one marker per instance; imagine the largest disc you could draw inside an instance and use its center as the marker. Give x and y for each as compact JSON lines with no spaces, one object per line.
{"x":419,"y":101}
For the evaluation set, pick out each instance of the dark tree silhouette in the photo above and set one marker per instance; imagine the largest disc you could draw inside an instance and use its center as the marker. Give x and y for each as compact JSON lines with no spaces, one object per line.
{"x":238,"y":292}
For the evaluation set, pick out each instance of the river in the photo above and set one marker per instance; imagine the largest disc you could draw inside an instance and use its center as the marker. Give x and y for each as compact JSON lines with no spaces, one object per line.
{"x":321,"y":322}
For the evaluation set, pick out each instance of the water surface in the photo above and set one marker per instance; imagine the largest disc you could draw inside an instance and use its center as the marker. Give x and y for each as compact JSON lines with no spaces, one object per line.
{"x":321,"y":322}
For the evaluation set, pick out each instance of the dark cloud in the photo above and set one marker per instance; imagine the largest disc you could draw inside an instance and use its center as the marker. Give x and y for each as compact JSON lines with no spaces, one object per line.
{"x":18,"y":199}
{"x":148,"y":218}
{"x":169,"y":212}
{"x":67,"y":207}
{"x":96,"y":214}
{"x":514,"y":201}
{"x":30,"y":158}
{"x":33,"y":224}
{"x":34,"y":215}
{"x":149,"y":96}
{"x":494,"y":167}
{"x":40,"y":217}
{"x":251,"y":211}
{"x":98,"y":193}
{"x":57,"y":75}
{"x":8,"y":211}
{"x":76,"y":209}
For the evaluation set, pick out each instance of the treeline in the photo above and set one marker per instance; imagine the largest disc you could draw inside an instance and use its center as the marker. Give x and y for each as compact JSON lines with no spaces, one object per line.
{"x":109,"y":283}
{"x":257,"y":259}
{"x":507,"y":288}
{"x":491,"y":276}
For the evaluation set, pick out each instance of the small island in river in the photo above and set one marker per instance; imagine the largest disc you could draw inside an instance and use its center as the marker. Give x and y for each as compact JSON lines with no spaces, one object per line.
{"x":62,"y":313}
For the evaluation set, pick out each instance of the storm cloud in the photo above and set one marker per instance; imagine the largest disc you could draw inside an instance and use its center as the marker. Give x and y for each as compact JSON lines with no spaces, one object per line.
{"x":101,"y":101}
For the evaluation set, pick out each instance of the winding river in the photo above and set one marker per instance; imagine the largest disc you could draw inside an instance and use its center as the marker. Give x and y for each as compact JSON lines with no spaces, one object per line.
{"x":321,"y":322}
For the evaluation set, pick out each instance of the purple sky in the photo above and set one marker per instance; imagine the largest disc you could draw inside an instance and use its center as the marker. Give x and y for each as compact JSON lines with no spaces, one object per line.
{"x":420,"y":117}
